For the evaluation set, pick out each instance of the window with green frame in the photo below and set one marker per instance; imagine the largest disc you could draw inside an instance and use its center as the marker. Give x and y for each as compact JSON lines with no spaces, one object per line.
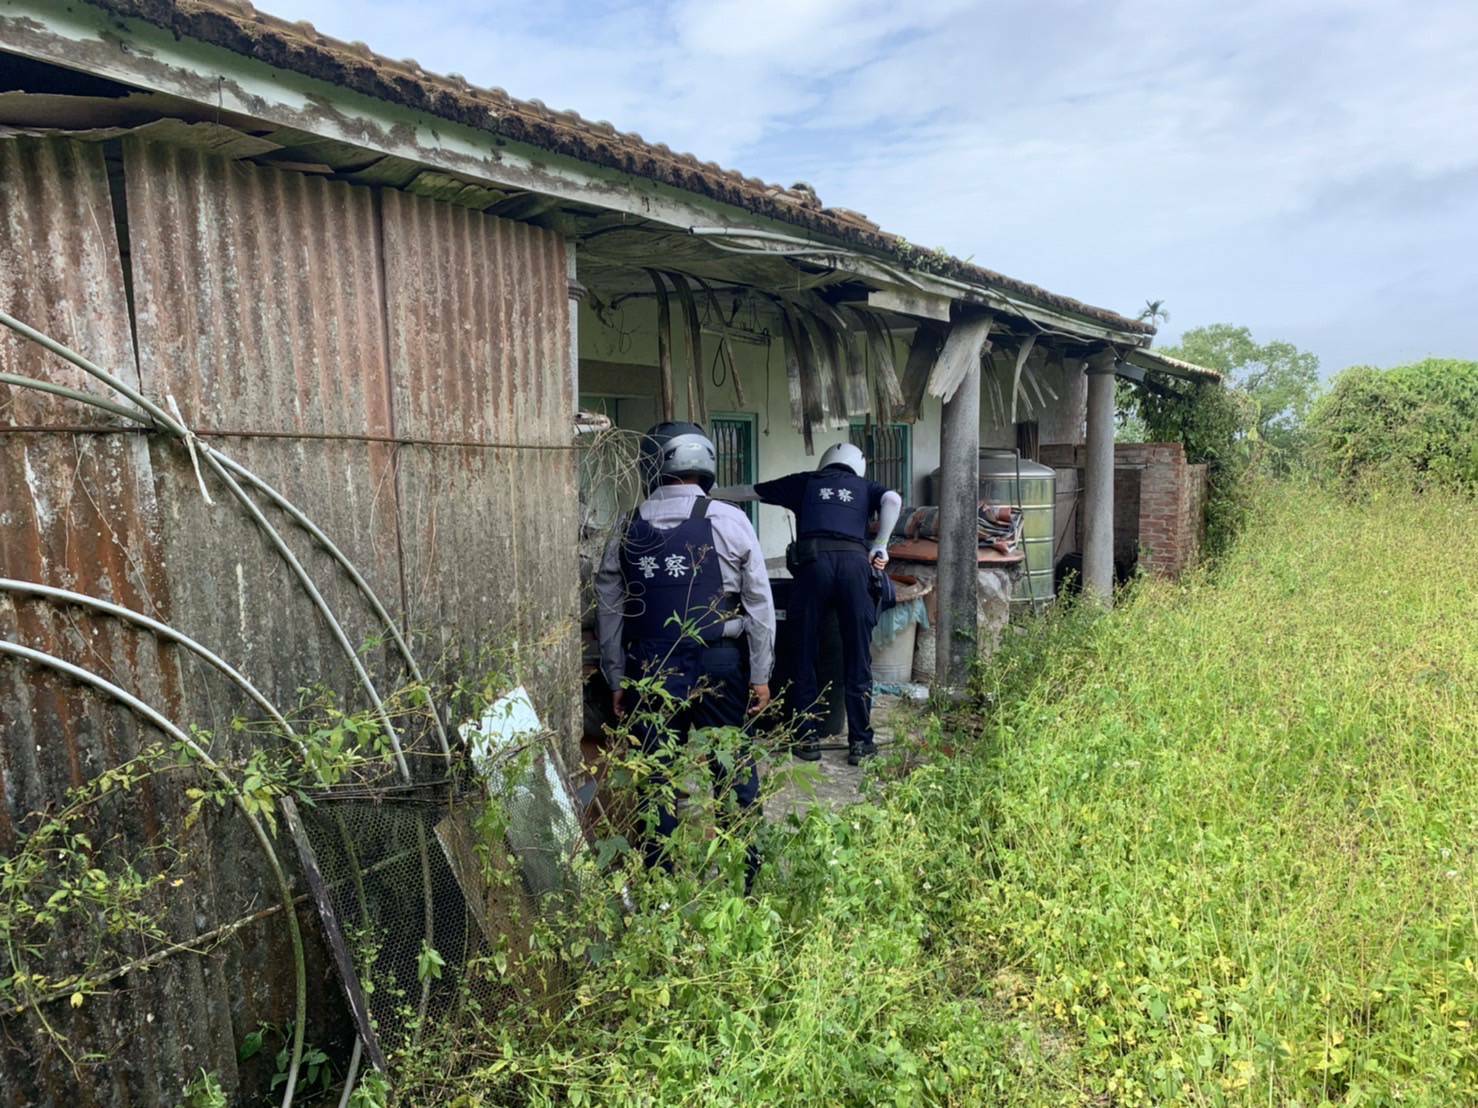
{"x":734,"y":442}
{"x":888,"y":448}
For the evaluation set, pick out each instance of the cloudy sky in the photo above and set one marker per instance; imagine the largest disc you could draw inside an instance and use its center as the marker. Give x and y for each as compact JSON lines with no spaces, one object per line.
{"x":1308,"y":168}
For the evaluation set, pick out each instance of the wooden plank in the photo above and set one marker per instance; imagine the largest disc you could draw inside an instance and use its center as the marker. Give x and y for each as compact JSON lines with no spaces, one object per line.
{"x":693,"y":341}
{"x":960,"y":356}
{"x":851,"y":372}
{"x":668,"y":401}
{"x":883,"y":358}
{"x":805,"y":400}
{"x":1021,"y":356}
{"x":348,"y":976}
{"x":831,"y":371}
{"x":914,"y":302}
{"x":923,"y":352}
{"x":815,"y":368}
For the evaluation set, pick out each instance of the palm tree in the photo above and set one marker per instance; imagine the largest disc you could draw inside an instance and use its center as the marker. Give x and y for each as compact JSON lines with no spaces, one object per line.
{"x":1155,"y":312}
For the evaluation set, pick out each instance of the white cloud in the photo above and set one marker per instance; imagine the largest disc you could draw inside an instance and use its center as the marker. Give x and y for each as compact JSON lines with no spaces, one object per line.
{"x":1286,"y":165}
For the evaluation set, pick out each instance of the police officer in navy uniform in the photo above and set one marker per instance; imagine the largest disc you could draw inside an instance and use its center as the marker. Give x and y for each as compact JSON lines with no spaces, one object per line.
{"x":837,"y":569}
{"x":683,"y":596}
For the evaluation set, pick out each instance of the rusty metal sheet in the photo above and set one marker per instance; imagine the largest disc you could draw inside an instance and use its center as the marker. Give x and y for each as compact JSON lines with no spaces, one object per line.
{"x":258,"y":304}
{"x":258,"y":297}
{"x":478,"y":324}
{"x":61,"y":275}
{"x":257,"y":293}
{"x":263,"y":308}
{"x":77,"y":510}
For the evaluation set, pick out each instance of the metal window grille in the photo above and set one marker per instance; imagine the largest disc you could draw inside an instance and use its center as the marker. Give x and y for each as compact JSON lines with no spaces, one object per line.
{"x":888,"y":450}
{"x":733,"y":439}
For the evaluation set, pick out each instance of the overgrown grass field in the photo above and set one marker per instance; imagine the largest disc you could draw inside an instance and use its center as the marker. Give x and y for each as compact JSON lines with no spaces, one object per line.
{"x":1236,"y":824}
{"x":1217,"y":847}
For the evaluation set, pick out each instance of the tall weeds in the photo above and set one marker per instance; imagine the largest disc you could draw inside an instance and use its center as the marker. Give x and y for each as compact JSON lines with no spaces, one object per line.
{"x":1216,"y":847}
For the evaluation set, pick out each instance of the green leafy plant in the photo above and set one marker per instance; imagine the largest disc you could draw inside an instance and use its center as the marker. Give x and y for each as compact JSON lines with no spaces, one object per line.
{"x":429,"y":963}
{"x":204,"y":1091}
{"x":372,"y":1091}
{"x":1415,"y":424}
{"x":1248,"y":425}
{"x":65,"y":875}
{"x":1215,"y":425}
{"x":251,"y":1043}
{"x":1212,"y":847}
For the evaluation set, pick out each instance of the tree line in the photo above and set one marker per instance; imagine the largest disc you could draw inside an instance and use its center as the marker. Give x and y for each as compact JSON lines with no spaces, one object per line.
{"x":1415,"y":424}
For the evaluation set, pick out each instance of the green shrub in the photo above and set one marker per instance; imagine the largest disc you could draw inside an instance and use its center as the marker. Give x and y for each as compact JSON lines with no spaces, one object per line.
{"x":1415,"y":423}
{"x":1248,"y":425}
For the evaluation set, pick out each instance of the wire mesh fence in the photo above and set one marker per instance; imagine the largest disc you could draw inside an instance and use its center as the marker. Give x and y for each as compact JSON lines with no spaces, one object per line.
{"x":429,"y":894}
{"x":412,"y":920}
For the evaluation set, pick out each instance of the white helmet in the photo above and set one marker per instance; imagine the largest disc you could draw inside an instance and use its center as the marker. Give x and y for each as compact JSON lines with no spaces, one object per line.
{"x":678,"y":449}
{"x":845,"y":454}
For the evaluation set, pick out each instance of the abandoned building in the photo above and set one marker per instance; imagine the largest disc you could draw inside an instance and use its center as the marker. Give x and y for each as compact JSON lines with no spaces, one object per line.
{"x":385,"y":295}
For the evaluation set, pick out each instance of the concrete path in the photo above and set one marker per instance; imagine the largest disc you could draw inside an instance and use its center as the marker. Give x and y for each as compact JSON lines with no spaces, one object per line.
{"x":831,"y":782}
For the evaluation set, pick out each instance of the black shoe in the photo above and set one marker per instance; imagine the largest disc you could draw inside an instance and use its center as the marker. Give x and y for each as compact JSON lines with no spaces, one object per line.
{"x":858,"y":751}
{"x":807,"y":751}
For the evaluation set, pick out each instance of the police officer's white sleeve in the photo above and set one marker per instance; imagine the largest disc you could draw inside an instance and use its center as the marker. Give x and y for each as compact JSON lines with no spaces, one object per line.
{"x":887,"y":519}
{"x":610,"y":609}
{"x":759,"y":610}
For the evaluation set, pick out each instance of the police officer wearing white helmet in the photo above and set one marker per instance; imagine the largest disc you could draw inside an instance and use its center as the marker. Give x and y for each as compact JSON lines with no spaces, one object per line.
{"x":683,"y":596}
{"x":835,"y":565}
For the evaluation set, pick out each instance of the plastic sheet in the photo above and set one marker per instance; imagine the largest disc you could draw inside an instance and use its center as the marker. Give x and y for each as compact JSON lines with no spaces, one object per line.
{"x":896,"y":618}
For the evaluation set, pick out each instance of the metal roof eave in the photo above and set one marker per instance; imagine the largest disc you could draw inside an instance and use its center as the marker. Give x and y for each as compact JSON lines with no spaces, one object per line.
{"x":1153,"y":361}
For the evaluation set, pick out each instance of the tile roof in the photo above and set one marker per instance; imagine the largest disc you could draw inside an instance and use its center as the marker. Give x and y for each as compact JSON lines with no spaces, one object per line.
{"x":298,"y":47}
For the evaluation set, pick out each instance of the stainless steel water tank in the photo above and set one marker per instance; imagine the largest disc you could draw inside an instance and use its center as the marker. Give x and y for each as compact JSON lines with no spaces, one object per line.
{"x":1030,"y":486}
{"x":1035,"y":494}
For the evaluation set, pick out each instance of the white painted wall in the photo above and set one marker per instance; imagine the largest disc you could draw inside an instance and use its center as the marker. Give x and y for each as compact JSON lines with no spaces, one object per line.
{"x":630,"y":339}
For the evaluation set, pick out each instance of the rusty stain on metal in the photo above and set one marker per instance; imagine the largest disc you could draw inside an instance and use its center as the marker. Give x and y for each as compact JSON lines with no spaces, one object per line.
{"x":80,"y":511}
{"x":258,"y":297}
{"x":479,"y":341}
{"x":346,"y":337}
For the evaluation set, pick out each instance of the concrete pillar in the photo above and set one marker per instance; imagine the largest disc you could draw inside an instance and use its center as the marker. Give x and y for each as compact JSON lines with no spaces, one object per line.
{"x":959,"y":495}
{"x":577,"y":295}
{"x":1098,"y":482}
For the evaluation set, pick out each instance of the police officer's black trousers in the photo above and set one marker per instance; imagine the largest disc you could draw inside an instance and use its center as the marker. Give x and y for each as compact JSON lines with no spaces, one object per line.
{"x":838,"y":581}
{"x":718,"y":680}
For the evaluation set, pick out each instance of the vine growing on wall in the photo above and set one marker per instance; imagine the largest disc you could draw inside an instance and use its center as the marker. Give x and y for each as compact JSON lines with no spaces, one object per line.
{"x":1216,"y":425}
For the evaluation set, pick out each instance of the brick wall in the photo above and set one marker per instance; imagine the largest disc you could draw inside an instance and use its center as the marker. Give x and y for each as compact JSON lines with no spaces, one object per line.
{"x":1196,"y":511}
{"x":1159,"y":502}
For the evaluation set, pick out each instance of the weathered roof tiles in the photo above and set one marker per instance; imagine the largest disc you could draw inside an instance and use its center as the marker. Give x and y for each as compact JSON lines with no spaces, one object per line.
{"x":298,"y":47}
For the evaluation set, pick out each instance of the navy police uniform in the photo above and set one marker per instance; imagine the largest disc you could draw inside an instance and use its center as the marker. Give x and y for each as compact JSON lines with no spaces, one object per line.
{"x":676,"y":573}
{"x":832,"y":575}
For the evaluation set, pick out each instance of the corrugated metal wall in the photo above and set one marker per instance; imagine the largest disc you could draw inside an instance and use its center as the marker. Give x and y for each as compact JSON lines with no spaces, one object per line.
{"x":479,"y":345}
{"x":259,"y":308}
{"x":297,"y":322}
{"x":77,"y":510}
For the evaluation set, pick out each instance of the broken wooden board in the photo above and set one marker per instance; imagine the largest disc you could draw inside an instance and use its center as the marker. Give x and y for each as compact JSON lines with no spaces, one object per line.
{"x":960,"y":355}
{"x":923,"y":353}
{"x":913,"y":302}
